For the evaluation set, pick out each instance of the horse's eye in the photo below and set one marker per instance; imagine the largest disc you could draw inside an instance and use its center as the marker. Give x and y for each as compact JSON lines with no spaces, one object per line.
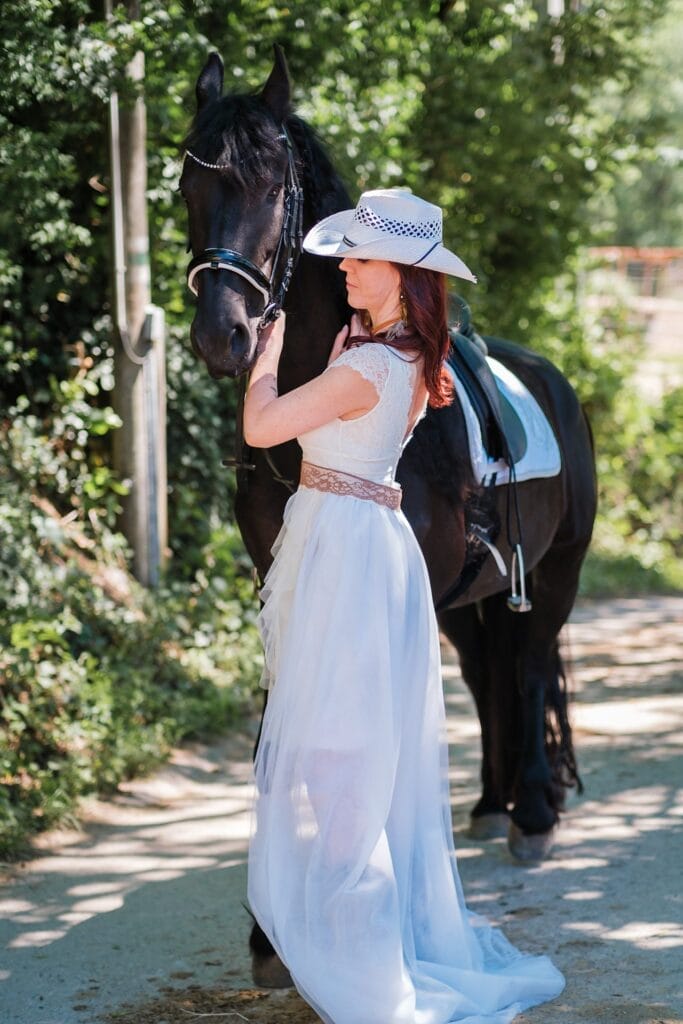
{"x":274,"y":191}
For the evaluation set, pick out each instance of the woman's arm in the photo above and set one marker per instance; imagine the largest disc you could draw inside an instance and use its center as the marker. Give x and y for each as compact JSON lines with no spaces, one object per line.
{"x":270,"y":419}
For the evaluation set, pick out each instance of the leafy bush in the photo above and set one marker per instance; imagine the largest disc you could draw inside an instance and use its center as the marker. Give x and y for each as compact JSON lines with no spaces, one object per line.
{"x":590,"y":333}
{"x":639,"y":536}
{"x":100,"y":677}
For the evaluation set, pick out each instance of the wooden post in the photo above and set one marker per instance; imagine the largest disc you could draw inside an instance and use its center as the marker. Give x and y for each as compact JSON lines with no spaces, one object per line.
{"x":139,"y":363}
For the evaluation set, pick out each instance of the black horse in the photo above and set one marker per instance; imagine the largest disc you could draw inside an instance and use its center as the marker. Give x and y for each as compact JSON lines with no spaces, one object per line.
{"x":234,"y":184}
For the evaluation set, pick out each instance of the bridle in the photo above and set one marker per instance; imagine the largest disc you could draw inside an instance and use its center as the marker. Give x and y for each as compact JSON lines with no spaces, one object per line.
{"x":273,"y":289}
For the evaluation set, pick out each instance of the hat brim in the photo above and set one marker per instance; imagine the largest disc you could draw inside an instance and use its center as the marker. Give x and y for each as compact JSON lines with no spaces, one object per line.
{"x":328,"y":238}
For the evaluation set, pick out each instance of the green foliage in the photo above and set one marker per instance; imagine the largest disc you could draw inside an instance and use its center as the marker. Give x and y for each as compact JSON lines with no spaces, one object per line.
{"x":591,"y":335}
{"x":494,"y":111}
{"x":200,"y":434}
{"x":641,"y":469}
{"x":645,"y":205}
{"x":491,"y":110}
{"x":99,"y":677}
{"x":94,"y":692}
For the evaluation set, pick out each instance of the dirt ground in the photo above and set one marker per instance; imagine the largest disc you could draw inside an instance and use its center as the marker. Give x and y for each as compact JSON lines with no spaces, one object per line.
{"x":137,"y":916}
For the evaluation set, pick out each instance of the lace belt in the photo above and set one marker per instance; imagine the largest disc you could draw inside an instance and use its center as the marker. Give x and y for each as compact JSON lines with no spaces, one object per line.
{"x":334,"y":480}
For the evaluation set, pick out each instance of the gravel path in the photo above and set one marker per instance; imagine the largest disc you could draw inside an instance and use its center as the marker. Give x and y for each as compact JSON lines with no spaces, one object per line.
{"x":137,"y":917}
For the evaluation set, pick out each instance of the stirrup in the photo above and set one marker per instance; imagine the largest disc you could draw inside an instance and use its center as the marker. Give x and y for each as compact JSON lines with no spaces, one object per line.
{"x":518,"y":602}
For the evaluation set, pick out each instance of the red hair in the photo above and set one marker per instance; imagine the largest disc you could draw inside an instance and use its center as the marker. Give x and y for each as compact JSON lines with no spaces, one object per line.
{"x":426,"y":300}
{"x":424,"y":294}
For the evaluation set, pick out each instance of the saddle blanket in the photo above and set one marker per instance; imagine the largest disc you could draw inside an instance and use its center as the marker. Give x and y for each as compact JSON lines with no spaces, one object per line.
{"x":542,"y":457}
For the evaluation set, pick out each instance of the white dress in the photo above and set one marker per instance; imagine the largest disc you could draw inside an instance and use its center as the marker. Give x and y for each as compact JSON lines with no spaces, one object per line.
{"x":352,"y":870}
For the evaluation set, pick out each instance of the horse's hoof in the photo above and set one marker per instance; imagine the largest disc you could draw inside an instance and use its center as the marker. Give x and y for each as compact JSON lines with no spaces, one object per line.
{"x":270,"y":972}
{"x":529,"y":849}
{"x":489,"y":826}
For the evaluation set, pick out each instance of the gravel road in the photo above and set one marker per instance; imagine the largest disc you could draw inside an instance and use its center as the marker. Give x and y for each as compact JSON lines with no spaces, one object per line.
{"x":136,"y":917}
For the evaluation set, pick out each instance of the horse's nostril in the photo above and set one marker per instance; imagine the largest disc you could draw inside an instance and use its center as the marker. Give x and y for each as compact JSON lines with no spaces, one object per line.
{"x":238,"y":342}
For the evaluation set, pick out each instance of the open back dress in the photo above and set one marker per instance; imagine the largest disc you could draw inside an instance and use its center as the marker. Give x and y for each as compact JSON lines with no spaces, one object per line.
{"x":352,"y":869}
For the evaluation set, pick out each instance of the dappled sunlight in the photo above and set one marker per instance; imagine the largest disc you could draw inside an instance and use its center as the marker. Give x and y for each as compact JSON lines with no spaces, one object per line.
{"x":608,"y":898}
{"x":614,"y":675}
{"x":160,"y":871}
{"x":465,"y":852}
{"x":644,"y":935}
{"x":94,"y":888}
{"x":664,"y":935}
{"x":585,"y":927}
{"x":637,"y":645}
{"x":637,"y":715}
{"x":628,"y":814}
{"x":162,"y":874}
{"x":560,"y":863}
{"x":103,"y":896}
{"x":35,"y":938}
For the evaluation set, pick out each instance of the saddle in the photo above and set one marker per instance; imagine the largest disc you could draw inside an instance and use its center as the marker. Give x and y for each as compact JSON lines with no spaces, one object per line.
{"x":502,"y":430}
{"x":508,"y":443}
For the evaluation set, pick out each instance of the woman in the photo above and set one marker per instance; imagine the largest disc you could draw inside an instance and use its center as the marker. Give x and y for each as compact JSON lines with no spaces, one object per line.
{"x":352,"y":871}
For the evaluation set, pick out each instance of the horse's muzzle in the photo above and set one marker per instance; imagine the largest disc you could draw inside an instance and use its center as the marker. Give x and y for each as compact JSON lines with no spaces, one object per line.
{"x":227,"y":352}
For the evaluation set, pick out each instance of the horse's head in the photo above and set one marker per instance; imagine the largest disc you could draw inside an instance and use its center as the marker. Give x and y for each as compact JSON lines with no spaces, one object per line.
{"x":234,"y":181}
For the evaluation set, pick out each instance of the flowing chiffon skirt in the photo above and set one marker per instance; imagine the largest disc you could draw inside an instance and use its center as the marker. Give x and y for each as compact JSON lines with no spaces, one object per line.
{"x":352,"y":870}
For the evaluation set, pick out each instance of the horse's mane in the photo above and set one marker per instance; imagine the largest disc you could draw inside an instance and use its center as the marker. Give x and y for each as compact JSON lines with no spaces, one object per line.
{"x":240,"y":132}
{"x":323,"y":186}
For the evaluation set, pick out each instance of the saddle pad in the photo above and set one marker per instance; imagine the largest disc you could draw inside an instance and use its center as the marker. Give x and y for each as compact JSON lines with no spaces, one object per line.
{"x":542,"y":456}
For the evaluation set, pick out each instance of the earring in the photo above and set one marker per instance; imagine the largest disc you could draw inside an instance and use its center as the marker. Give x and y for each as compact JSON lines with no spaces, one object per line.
{"x":404,"y":308}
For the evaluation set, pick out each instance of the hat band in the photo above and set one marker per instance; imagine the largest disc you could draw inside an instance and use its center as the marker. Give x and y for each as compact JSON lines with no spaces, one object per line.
{"x":349,"y":241}
{"x":426,"y":254}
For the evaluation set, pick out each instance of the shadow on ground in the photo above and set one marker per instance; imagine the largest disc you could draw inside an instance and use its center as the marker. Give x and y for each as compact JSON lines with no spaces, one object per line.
{"x":146,"y":904}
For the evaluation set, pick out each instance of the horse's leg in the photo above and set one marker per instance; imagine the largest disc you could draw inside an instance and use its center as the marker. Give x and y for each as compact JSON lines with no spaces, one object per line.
{"x":546,"y":764}
{"x":267,"y":970}
{"x":259,"y":510}
{"x":466,"y":631}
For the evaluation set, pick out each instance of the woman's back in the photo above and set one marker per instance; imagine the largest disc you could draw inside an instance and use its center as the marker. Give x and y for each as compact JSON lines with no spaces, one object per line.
{"x":370,"y":445}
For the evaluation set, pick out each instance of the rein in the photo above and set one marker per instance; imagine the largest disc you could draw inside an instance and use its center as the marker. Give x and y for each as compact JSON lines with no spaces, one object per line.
{"x":272,"y":290}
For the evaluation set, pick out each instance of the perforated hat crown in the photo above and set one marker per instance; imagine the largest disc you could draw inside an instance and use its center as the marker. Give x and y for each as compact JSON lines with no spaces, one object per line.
{"x":388,"y":224}
{"x":378,"y":211}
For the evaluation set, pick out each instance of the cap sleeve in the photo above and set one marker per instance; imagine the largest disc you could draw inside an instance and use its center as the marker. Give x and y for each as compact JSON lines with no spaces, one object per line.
{"x":371,"y":360}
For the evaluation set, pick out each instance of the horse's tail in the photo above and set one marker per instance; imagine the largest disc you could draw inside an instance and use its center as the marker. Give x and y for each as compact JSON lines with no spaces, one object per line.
{"x":559,"y":741}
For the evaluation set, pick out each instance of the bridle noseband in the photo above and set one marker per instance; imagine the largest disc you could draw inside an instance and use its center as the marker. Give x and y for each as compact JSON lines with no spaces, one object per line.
{"x":288,"y":249}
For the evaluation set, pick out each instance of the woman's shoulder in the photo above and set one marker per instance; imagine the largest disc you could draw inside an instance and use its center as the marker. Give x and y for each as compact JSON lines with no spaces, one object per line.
{"x":370,"y":359}
{"x":366,"y":352}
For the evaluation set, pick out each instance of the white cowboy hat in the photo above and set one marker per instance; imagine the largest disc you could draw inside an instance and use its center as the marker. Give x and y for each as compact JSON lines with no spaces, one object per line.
{"x":388,"y":224}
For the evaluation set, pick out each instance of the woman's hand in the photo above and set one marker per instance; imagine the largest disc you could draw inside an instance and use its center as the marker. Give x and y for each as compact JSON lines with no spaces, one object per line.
{"x":270,"y":339}
{"x":346,"y":332}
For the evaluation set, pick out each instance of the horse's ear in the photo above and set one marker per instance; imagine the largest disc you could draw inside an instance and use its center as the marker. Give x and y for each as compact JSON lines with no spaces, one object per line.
{"x":210,"y":81}
{"x":276,"y":93}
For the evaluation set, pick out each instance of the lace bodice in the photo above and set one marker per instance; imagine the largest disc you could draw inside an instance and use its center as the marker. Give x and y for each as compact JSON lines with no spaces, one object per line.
{"x":369,"y":445}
